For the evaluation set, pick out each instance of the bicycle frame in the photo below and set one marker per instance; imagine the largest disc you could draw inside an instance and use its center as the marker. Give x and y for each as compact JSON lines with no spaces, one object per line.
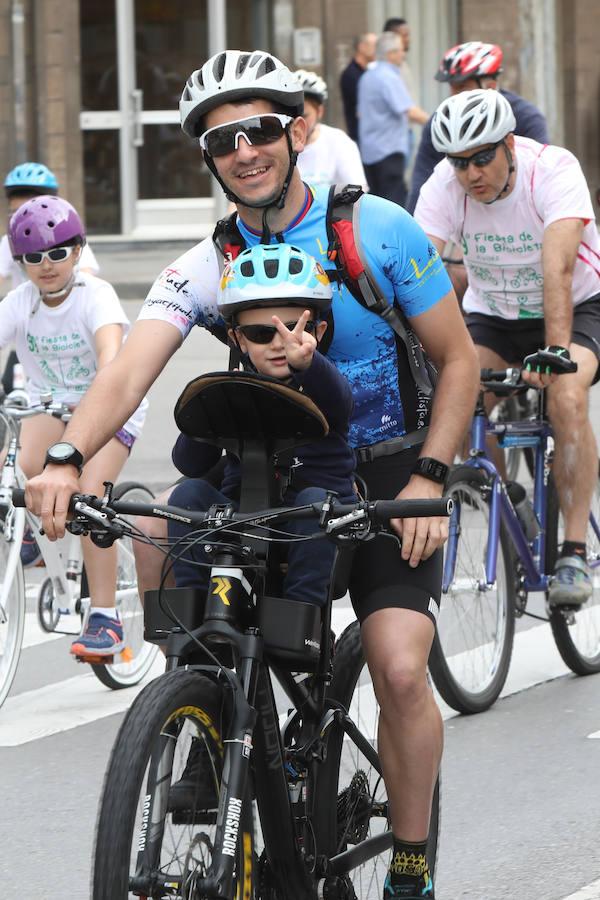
{"x":536,"y":435}
{"x":255,"y":726}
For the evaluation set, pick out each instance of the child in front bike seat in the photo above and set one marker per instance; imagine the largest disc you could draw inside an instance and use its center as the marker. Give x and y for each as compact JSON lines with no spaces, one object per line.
{"x":274,"y":300}
{"x":66,"y":325}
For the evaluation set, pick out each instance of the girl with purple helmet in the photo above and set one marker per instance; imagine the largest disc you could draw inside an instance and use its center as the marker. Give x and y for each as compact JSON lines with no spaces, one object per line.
{"x":66,"y":325}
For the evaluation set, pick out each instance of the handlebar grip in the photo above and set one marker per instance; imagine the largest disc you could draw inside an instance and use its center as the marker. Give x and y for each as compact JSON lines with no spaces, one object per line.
{"x":18,"y":497}
{"x":384,"y":510}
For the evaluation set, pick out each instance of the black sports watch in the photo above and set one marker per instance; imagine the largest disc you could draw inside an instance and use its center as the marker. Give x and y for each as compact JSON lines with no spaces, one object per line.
{"x":432,"y":469}
{"x":64,"y":454}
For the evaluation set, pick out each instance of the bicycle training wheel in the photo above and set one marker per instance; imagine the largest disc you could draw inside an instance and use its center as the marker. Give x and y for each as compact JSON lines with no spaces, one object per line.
{"x":577,"y":633}
{"x":142,"y":849}
{"x":473,"y":643}
{"x":12,"y":619}
{"x":349,"y":788}
{"x":139,"y":655}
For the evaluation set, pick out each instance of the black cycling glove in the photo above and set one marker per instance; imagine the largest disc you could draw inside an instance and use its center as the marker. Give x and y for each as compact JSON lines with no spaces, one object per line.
{"x":553,"y":360}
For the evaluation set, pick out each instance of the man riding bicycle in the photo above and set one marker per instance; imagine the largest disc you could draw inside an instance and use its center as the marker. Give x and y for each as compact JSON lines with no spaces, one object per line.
{"x":523,"y":215}
{"x":246,"y":110}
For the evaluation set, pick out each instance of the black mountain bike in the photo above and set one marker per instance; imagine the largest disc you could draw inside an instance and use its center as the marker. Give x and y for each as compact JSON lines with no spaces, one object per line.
{"x":290,"y":806}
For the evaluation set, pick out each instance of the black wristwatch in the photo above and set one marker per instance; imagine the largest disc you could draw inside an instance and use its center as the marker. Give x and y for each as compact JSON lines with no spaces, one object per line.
{"x":64,"y":454}
{"x":431,"y":468}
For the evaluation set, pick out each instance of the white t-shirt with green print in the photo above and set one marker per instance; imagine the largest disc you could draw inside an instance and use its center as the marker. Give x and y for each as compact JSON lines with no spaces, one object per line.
{"x":502,"y":241}
{"x":56,"y":344}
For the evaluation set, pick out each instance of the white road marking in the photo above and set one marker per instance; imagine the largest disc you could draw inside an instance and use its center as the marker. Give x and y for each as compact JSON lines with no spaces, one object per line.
{"x":83,"y":699}
{"x":595,"y":736}
{"x":590,"y":892}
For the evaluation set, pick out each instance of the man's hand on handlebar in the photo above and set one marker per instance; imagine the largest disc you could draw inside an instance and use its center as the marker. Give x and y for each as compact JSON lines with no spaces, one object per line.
{"x":420,"y":537}
{"x":543,"y":367}
{"x":48,"y":495}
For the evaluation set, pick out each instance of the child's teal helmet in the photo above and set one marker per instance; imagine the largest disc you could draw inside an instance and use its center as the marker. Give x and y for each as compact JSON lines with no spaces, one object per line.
{"x":30,"y":177}
{"x":274,"y":275}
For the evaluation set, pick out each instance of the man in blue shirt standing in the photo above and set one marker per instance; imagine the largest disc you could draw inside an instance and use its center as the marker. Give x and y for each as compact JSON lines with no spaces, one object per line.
{"x":385,"y":109}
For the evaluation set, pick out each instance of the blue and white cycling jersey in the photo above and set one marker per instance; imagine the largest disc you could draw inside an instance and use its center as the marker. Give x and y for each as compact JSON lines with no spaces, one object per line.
{"x":363,"y":347}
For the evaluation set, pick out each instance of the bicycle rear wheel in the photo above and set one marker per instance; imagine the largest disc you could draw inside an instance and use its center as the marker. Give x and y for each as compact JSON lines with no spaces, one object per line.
{"x":12,"y":621}
{"x":473,"y":644}
{"x":349,"y":788}
{"x":139,"y":655}
{"x":577,"y":633}
{"x":141,"y":848}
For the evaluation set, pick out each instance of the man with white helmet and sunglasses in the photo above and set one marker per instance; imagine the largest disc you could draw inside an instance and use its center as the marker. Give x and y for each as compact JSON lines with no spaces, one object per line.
{"x":523,"y":214}
{"x":246,"y":111}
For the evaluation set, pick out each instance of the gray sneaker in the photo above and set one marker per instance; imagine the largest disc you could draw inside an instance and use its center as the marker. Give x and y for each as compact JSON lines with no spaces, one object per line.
{"x":572,"y":584}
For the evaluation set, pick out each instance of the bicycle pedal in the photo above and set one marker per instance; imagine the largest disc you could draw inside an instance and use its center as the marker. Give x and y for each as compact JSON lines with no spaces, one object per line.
{"x":126,"y":655}
{"x":95,"y":660}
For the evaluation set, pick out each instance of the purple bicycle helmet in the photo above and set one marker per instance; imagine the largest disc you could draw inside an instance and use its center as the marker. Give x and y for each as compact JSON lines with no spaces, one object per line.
{"x":42,"y":223}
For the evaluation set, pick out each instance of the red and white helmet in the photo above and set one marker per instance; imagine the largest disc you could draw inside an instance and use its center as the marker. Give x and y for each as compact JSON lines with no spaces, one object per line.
{"x":471,"y":60}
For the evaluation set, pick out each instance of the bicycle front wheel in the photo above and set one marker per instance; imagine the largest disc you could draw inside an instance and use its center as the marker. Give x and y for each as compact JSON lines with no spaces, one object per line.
{"x":350,"y":789}
{"x":138,"y":657}
{"x":12,"y":620}
{"x":577,"y":632}
{"x":142,"y":848}
{"x":473,"y":644}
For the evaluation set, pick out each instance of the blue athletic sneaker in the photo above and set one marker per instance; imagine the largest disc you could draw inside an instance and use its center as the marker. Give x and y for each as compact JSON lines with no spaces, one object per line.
{"x":30,"y":552}
{"x":406,"y":892}
{"x":572,"y":582}
{"x":103,"y":636}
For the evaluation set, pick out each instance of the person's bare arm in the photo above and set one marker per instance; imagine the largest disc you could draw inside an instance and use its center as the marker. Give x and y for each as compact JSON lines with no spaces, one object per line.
{"x":559,"y":252}
{"x":107,"y":341}
{"x":444,"y":336}
{"x":115,"y":393}
{"x":418,"y":116}
{"x":457,"y":272}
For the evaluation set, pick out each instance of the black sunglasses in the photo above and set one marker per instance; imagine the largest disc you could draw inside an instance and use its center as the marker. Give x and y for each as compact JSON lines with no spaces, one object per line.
{"x":264,"y":334}
{"x":480,"y":159}
{"x":256,"y":130}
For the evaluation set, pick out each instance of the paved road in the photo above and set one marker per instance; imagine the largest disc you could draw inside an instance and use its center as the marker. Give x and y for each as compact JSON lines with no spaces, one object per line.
{"x":521,"y":790}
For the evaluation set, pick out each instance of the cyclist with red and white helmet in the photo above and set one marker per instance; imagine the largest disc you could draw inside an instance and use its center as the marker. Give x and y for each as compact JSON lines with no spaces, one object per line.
{"x":27,"y":180}
{"x":523,"y":214}
{"x":467,"y":67}
{"x":67,"y":325}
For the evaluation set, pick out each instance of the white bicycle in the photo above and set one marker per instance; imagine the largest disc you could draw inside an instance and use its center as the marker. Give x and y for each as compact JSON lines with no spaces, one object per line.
{"x":64,"y":592}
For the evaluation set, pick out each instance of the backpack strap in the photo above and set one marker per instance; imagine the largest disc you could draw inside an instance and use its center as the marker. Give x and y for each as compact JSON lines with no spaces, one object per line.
{"x":229,"y":243}
{"x":345,"y":249}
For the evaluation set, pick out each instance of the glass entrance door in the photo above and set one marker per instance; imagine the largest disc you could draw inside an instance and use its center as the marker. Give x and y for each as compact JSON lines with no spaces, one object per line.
{"x":143,"y":176}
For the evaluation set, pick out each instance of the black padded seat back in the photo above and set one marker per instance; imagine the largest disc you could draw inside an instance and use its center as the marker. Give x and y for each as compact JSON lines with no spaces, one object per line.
{"x":231,"y":408}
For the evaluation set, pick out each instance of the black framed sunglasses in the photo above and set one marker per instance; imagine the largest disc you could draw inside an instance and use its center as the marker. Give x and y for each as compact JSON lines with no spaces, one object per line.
{"x":264,"y":334}
{"x":256,"y":131}
{"x":57,"y":254}
{"x":480,"y":159}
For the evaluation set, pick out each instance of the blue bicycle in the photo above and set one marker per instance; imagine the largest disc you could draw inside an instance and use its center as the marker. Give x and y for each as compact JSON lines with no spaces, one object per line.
{"x":503,"y":546}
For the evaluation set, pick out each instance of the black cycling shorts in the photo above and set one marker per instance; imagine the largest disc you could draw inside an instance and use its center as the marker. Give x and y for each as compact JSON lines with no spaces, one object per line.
{"x":513,"y":339}
{"x":380,"y":578}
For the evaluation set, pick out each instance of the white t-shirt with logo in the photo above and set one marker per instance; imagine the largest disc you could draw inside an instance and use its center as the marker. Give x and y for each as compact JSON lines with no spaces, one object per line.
{"x":56,"y":344}
{"x":333,"y":158}
{"x":10,"y":268}
{"x":502,"y":241}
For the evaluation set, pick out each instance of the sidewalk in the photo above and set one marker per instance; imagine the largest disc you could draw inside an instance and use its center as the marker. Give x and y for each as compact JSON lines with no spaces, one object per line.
{"x":132,"y":267}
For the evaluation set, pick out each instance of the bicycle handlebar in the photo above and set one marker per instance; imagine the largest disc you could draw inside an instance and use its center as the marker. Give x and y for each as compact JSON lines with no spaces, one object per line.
{"x":338,"y":516}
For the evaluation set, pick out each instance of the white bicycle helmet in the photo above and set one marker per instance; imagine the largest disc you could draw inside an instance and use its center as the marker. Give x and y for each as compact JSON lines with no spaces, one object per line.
{"x":273,"y":275}
{"x":471,"y":119}
{"x":235,"y":75}
{"x":312,"y":85}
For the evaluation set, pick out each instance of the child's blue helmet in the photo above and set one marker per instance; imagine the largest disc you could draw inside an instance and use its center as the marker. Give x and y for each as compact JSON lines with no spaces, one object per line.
{"x":274,"y":275}
{"x":31,"y":177}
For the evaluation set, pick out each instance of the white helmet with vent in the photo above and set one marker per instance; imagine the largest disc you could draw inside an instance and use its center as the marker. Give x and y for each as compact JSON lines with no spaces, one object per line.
{"x":471,"y":119}
{"x":312,"y":85}
{"x":234,"y":75}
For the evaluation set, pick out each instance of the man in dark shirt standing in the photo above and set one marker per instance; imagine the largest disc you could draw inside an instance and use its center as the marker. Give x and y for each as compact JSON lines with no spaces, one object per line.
{"x":364,"y":53}
{"x":465,"y":68}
